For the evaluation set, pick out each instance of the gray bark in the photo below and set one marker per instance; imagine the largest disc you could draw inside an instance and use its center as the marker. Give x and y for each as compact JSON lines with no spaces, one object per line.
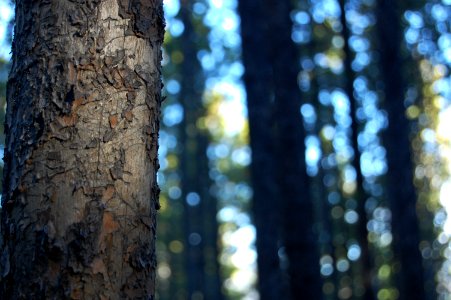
{"x":80,"y":192}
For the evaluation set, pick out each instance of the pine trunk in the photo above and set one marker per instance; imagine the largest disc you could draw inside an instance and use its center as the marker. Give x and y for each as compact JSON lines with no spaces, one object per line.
{"x":80,"y":192}
{"x":299,"y":238}
{"x":360,"y":194}
{"x":401,"y":191}
{"x":193,"y":202}
{"x":258,"y":81}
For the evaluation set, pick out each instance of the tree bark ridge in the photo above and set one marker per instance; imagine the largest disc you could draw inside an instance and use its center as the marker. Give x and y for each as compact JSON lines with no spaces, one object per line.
{"x":80,"y":192}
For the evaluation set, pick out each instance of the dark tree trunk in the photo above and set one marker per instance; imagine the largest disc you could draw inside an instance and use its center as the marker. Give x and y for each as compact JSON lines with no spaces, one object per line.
{"x":299,"y":238}
{"x":80,"y":192}
{"x":401,"y":191}
{"x":191,"y":100}
{"x":213,"y":281}
{"x":200,"y":217}
{"x":326,"y":229}
{"x":360,"y":194}
{"x":257,"y":79}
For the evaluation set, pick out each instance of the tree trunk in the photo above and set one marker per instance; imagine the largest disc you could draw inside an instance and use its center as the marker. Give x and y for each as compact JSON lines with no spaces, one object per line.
{"x":258,"y":81}
{"x":360,"y":194}
{"x":299,"y":238}
{"x":193,"y":202}
{"x":401,"y":191}
{"x":80,"y":192}
{"x":200,"y":214}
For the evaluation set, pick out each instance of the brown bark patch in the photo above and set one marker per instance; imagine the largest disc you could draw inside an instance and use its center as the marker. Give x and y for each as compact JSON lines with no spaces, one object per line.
{"x":77,"y":102}
{"x":72,"y":72}
{"x":109,"y":225}
{"x":98,"y":266}
{"x":108,"y":193}
{"x":128,"y":116}
{"x":113,"y":121}
{"x":68,"y":120}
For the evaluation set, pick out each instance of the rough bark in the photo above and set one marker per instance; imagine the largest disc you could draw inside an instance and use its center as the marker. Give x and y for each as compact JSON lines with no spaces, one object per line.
{"x":299,"y":239}
{"x":360,"y":194}
{"x":258,"y":82}
{"x":401,"y":191}
{"x":80,"y":192}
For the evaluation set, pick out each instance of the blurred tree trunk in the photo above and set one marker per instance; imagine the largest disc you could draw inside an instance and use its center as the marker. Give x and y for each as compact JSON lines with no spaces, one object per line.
{"x":401,"y":191}
{"x":190,"y":98}
{"x":80,"y":192}
{"x":299,"y":239}
{"x":258,"y":82}
{"x":201,"y":227}
{"x":326,"y":229}
{"x":213,"y":280}
{"x":360,"y":194}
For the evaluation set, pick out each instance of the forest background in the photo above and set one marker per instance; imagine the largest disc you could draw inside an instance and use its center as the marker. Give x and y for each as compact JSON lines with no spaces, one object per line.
{"x":207,"y":223}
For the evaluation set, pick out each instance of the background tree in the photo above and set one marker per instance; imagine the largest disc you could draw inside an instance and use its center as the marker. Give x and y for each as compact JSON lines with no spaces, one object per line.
{"x":360,"y":193}
{"x":199,"y":205}
{"x":258,"y":81}
{"x":299,"y":239}
{"x":80,"y":192}
{"x":401,"y":191}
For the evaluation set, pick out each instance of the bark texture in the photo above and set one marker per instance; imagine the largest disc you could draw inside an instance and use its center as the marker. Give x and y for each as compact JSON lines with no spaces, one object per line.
{"x":401,"y":191}
{"x":80,"y":192}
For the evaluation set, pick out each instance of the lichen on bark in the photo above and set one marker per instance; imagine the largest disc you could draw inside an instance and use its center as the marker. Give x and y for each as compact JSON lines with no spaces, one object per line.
{"x":80,"y":191}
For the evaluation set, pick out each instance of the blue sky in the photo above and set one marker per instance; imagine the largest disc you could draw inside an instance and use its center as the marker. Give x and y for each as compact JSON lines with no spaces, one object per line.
{"x":6,"y":14}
